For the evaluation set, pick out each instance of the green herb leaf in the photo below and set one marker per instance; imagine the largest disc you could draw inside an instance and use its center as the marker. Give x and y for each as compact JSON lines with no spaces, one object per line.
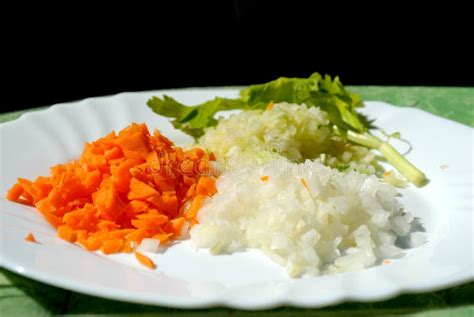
{"x":194,"y":119}
{"x":292,"y":90}
{"x":316,"y":90}
{"x":343,"y":167}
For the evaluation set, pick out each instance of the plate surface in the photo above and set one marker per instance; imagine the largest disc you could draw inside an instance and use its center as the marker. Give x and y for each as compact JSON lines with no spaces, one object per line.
{"x":187,"y":277}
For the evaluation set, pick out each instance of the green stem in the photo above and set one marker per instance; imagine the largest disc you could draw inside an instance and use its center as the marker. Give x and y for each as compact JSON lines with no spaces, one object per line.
{"x":406,"y":168}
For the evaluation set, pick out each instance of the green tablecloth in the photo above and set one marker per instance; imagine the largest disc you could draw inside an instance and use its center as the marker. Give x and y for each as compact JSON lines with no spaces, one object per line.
{"x":20,"y":296}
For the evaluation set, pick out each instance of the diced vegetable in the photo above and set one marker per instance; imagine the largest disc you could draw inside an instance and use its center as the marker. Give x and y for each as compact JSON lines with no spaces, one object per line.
{"x":30,"y":238}
{"x":315,"y":91}
{"x":124,"y":188}
{"x":146,"y":261}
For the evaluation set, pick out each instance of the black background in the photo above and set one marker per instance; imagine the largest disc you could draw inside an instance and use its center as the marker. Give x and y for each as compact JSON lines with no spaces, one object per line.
{"x":69,"y":53}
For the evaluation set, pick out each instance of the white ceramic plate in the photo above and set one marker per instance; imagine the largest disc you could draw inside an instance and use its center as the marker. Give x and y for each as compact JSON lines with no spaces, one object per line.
{"x":193,"y":278}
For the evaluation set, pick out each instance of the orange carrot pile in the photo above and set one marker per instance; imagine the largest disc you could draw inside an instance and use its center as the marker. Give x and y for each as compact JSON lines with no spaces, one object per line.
{"x":124,"y":188}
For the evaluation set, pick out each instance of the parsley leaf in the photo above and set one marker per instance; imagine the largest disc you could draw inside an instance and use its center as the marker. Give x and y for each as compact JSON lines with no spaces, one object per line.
{"x":192,"y":120}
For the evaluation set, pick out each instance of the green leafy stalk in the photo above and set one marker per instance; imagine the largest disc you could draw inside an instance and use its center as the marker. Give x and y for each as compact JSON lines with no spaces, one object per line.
{"x":316,"y":90}
{"x":398,"y":161}
{"x":192,"y":120}
{"x":330,"y":95}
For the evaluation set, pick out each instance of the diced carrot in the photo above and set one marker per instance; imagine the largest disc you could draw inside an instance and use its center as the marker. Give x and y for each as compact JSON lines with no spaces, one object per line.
{"x":156,"y":201}
{"x":56,"y":198}
{"x":140,"y":190}
{"x":27,"y":186}
{"x":179,"y":154}
{"x":122,"y":176}
{"x":125,"y":187}
{"x":191,"y":191}
{"x":127,"y":246}
{"x":270,"y":105}
{"x":113,"y":153}
{"x":30,"y":238}
{"x":195,"y":205}
{"x":186,"y":167}
{"x":115,"y":162}
{"x":170,"y":205}
{"x":92,"y":180}
{"x":150,"y":221}
{"x":196,"y":153}
{"x":193,"y":222}
{"x":265,"y":178}
{"x":206,"y":186}
{"x":153,"y":162}
{"x":120,"y":233}
{"x":96,"y":161}
{"x":164,"y":140}
{"x":52,"y":219}
{"x":27,"y":199}
{"x":66,"y":233}
{"x":188,"y":181}
{"x":135,"y":142}
{"x":163,"y":183}
{"x":303,"y":182}
{"x":107,"y":201}
{"x":41,"y":187}
{"x":45,"y":206}
{"x":204,"y":168}
{"x":107,"y":225}
{"x":146,"y":261}
{"x":15,"y":192}
{"x":138,"y":235}
{"x":138,"y":206}
{"x":145,"y":224}
{"x":82,"y":237}
{"x":175,"y":226}
{"x":112,"y":246}
{"x":158,"y":218}
{"x":95,"y":241}
{"x":163,"y":237}
{"x":85,"y":218}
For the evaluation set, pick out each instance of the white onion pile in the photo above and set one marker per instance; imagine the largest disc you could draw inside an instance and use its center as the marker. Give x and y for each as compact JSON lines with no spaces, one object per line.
{"x":307,"y":217}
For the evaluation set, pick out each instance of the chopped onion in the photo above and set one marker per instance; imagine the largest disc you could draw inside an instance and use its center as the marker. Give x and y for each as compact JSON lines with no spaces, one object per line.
{"x":149,"y":245}
{"x":348,"y":223}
